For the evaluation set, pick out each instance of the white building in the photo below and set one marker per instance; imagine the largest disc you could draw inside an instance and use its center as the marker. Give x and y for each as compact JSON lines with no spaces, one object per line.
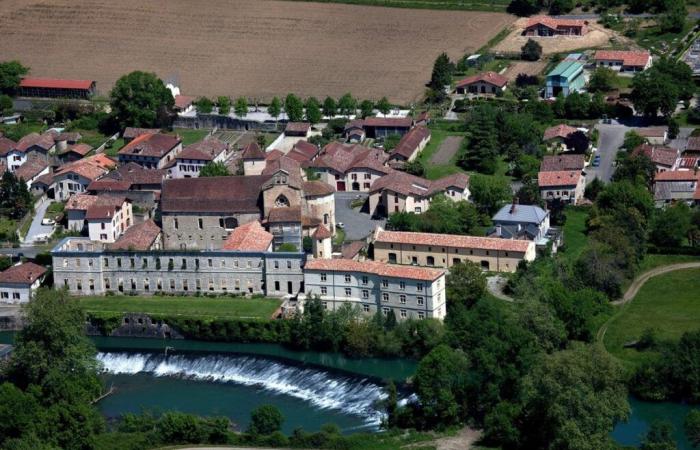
{"x":18,"y":283}
{"x":192,"y":158}
{"x":411,"y":292}
{"x":104,"y":217}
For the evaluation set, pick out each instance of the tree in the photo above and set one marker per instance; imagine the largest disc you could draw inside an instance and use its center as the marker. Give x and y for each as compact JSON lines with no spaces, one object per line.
{"x":577,"y":142}
{"x":264,"y":420}
{"x":489,"y":193}
{"x":6,"y":105}
{"x":383,"y":106}
{"x":313,"y":110}
{"x":11,"y":73}
{"x":204,"y":105}
{"x":442,"y":73}
{"x":529,"y":193}
{"x":674,"y":16}
{"x":659,"y":437}
{"x":347,"y":105}
{"x":557,"y":7}
{"x":531,"y":51}
{"x":214,"y":169}
{"x":224,"y":104}
{"x":294,"y":108}
{"x":240,"y":107}
{"x":15,"y":198}
{"x":659,"y":88}
{"x":140,"y":99}
{"x":670,"y":225}
{"x":692,"y":427}
{"x":440,"y":383}
{"x":602,"y":80}
{"x":673,"y":128}
{"x":577,"y":105}
{"x":330,"y":108}
{"x":572,"y":399}
{"x":414,"y":167}
{"x":391,"y":141}
{"x":480,"y":150}
{"x":366,"y":108}
{"x":465,"y":283}
{"x":275,"y":108}
{"x":523,"y":7}
{"x":632,"y":141}
{"x":593,"y":189}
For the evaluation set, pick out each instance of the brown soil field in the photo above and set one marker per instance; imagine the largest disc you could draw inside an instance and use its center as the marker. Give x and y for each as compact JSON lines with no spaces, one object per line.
{"x":597,"y":36}
{"x":526,"y":67}
{"x":252,"y":48}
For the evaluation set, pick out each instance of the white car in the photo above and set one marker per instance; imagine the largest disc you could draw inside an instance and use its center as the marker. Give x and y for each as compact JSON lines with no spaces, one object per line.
{"x":340,"y":225}
{"x":46,"y":221}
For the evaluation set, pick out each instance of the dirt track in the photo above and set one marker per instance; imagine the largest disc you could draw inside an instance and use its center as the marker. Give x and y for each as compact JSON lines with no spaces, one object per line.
{"x":448,"y":148}
{"x":643,"y":278}
{"x":254,"y":48}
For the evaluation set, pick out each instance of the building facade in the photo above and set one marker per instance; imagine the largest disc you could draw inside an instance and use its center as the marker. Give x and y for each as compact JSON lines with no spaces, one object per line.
{"x":18,"y":283}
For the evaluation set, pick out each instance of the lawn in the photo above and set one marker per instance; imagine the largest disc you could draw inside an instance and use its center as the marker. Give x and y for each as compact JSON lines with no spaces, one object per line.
{"x":113,"y":150}
{"x":220,"y":307}
{"x":435,"y":171}
{"x":663,"y":43}
{"x":668,"y":303}
{"x":54,"y":209}
{"x":7,"y":227}
{"x":92,"y":138}
{"x":575,"y":238}
{"x":189,"y":135}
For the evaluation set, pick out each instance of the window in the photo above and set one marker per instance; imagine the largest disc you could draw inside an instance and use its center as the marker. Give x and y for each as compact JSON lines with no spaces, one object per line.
{"x":91,"y":284}
{"x":385,"y":297}
{"x":325,"y":305}
{"x":365,"y":308}
{"x":421,"y":301}
{"x":323,"y":277}
{"x":392,"y":257}
{"x":402,"y":299}
{"x":365,"y":293}
{"x":368,"y":176}
{"x":200,"y":224}
{"x":221,"y":223}
{"x":419,"y":286}
{"x":175,"y":224}
{"x":103,"y":225}
{"x":402,"y":285}
{"x":385,"y":311}
{"x":324,"y":290}
{"x":106,"y":283}
{"x":385,"y":283}
{"x":282,"y":202}
{"x":277,"y":285}
{"x":402,"y":313}
{"x":7,"y":294}
{"x":348,"y":292}
{"x":105,"y":261}
{"x":210,"y":262}
{"x":184,"y":285}
{"x":418,"y":209}
{"x":133,"y":284}
{"x":289,"y":264}
{"x":77,"y":262}
{"x":421,"y":315}
{"x":172,"y":283}
{"x":347,"y":278}
{"x":277,"y":264}
{"x":119,"y":262}
{"x":430,"y":261}
{"x":103,"y":236}
{"x":365,"y":280}
{"x":198,"y":284}
{"x":132,"y":262}
{"x":15,"y":295}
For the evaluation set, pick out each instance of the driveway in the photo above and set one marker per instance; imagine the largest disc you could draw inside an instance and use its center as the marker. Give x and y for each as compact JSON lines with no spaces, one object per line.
{"x":610,"y":139}
{"x":681,"y":141}
{"x":36,"y":227}
{"x":357,"y":225}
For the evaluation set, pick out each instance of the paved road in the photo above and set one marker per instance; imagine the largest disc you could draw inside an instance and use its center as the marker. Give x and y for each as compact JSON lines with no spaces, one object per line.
{"x":36,"y":227}
{"x":28,"y":251}
{"x":611,"y":138}
{"x":681,"y":141}
{"x":357,"y":224}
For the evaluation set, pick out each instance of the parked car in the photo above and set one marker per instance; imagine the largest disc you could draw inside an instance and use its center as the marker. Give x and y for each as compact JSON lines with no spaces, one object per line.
{"x":596,"y":161}
{"x":47,"y":221}
{"x":340,"y":225}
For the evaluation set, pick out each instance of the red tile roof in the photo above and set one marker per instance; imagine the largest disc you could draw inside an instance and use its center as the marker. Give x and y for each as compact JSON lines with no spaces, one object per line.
{"x":297,"y":127}
{"x":407,"y":184}
{"x":252,"y":151}
{"x":663,"y":156}
{"x":55,"y":83}
{"x":133,"y":132}
{"x":693,"y":144}
{"x":559,"y":178}
{"x":453,"y":240}
{"x":277,"y":215}
{"x":25,"y":273}
{"x":152,"y":145}
{"x":351,"y":249}
{"x":31,"y":168}
{"x":273,"y":154}
{"x":44,"y":141}
{"x":554,"y":23}
{"x":557,"y":163}
{"x":486,"y":77}
{"x":306,"y":148}
{"x":212,"y":194}
{"x":250,"y":237}
{"x":677,"y":175}
{"x":321,"y":233}
{"x":375,"y":268}
{"x":651,"y":131}
{"x":317,"y":188}
{"x":206,"y":150}
{"x":410,"y":141}
{"x":690,"y":162}
{"x":288,"y":165}
{"x":138,"y":237}
{"x":183,"y":101}
{"x":90,"y":168}
{"x":388,"y":122}
{"x":343,"y":157}
{"x":95,"y":206}
{"x":80,"y":149}
{"x":561,"y":131}
{"x":628,"y":58}
{"x":6,"y":145}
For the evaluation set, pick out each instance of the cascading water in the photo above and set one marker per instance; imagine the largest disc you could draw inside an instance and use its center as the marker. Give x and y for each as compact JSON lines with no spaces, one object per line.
{"x":324,"y":390}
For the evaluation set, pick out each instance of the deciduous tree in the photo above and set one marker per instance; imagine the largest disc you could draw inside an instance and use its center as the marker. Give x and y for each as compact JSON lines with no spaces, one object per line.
{"x":294,"y":108}
{"x":330,"y":108}
{"x":224,"y":104}
{"x":313,"y":110}
{"x":11,"y":73}
{"x":383,"y":105}
{"x":275,"y":108}
{"x":214,"y":169}
{"x":140,"y":99}
{"x":241,"y":107}
{"x":531,"y":51}
{"x":265,"y":419}
{"x":465,"y":283}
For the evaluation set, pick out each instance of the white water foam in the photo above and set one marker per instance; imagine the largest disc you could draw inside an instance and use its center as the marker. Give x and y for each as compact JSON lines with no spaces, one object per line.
{"x":324,"y":390}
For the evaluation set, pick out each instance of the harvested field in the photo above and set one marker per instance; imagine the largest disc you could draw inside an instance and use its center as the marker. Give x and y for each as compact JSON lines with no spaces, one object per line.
{"x":597,"y":36}
{"x":526,"y":67}
{"x":251,"y":48}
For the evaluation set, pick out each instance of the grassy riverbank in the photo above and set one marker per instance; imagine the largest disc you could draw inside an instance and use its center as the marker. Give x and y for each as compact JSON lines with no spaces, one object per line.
{"x":185,"y":306}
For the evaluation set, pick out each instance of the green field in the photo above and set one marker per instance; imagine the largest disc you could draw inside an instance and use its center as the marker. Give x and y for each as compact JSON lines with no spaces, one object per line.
{"x":190,"y":136}
{"x":435,"y":171}
{"x":575,"y":238}
{"x":667,"y":303}
{"x":190,"y":306}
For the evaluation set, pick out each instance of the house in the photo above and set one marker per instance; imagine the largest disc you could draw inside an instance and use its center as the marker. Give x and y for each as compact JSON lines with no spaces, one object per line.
{"x":18,"y":283}
{"x":567,"y":77}
{"x":106,"y":217}
{"x":75,"y":177}
{"x":43,"y":185}
{"x":131,"y":133}
{"x":144,"y":236}
{"x":664,"y":158}
{"x":184,"y":104}
{"x":6,"y":145}
{"x":623,"y":61}
{"x":33,"y":144}
{"x":350,"y":167}
{"x":321,"y":244}
{"x":93,"y":268}
{"x":692,"y":148}
{"x":410,"y":292}
{"x":300,"y":129}
{"x":381,"y":127}
{"x":250,"y":237}
{"x":142,"y":186}
{"x":689,"y":163}
{"x":403,"y":192}
{"x":483,"y":83}
{"x":31,"y":170}
{"x":653,"y":135}
{"x":528,"y":222}
{"x":555,"y":137}
{"x":411,"y":144}
{"x":74,"y":152}
{"x":192,"y":158}
{"x":57,"y":88}
{"x":677,"y":186}
{"x":557,"y":163}
{"x":547,"y":26}
{"x":153,"y":151}
{"x":445,"y":250}
{"x":303,"y":152}
{"x":565,"y":185}
{"x":66,"y":138}
{"x":253,"y":159}
{"x":285,"y":225}
{"x":354,"y":131}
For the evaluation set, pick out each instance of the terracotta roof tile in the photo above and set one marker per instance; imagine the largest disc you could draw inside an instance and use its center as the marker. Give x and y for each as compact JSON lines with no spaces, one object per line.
{"x":44,"y":141}
{"x":321,"y":233}
{"x":138,"y":237}
{"x":250,"y":237}
{"x":54,"y":83}
{"x":651,"y":132}
{"x":25,"y":273}
{"x":453,"y":240}
{"x":664,"y":156}
{"x":677,"y":175}
{"x":278,"y":215}
{"x":374,"y":267}
{"x":388,"y":122}
{"x":213,"y":194}
{"x":556,"y":163}
{"x":628,"y":58}
{"x":351,"y":249}
{"x":554,"y":23}
{"x":252,"y":151}
{"x":297,"y":127}
{"x":559,"y":178}
{"x":410,"y":141}
{"x":407,"y":184}
{"x":306,"y":148}
{"x":80,"y":149}
{"x":561,"y":131}
{"x":133,"y":132}
{"x":183,"y":101}
{"x":486,"y":77}
{"x":205,"y":150}
{"x":152,"y":145}
{"x":6,"y":145}
{"x":90,"y":168}
{"x":317,"y":188}
{"x":31,"y":168}
{"x":344,"y":157}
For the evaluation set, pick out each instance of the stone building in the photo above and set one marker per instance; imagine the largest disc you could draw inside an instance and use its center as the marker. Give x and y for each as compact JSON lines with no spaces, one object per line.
{"x":411,"y":292}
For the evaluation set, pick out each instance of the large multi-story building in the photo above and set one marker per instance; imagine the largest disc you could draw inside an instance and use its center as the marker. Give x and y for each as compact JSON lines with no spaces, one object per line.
{"x":411,"y":292}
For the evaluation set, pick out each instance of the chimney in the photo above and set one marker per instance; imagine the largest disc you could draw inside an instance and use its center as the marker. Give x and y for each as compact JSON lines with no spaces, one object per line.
{"x":513,"y":205}
{"x":498,"y":230}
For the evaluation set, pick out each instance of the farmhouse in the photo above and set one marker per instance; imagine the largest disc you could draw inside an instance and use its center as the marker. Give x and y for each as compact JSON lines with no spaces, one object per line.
{"x":567,"y":77}
{"x":153,"y":151}
{"x":410,"y":292}
{"x":664,"y":158}
{"x":550,"y":26}
{"x":556,"y":136}
{"x":411,"y":144}
{"x":484,"y":83}
{"x":623,"y":61}
{"x":192,"y":158}
{"x":445,"y":250}
{"x":565,"y":185}
{"x":403,"y":192}
{"x":18,"y":283}
{"x":350,"y":166}
{"x":677,"y":186}
{"x":381,"y":127}
{"x":56,"y":88}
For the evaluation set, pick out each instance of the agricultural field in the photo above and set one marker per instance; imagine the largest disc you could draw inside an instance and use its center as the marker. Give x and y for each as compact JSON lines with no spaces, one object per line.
{"x":251,"y":48}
